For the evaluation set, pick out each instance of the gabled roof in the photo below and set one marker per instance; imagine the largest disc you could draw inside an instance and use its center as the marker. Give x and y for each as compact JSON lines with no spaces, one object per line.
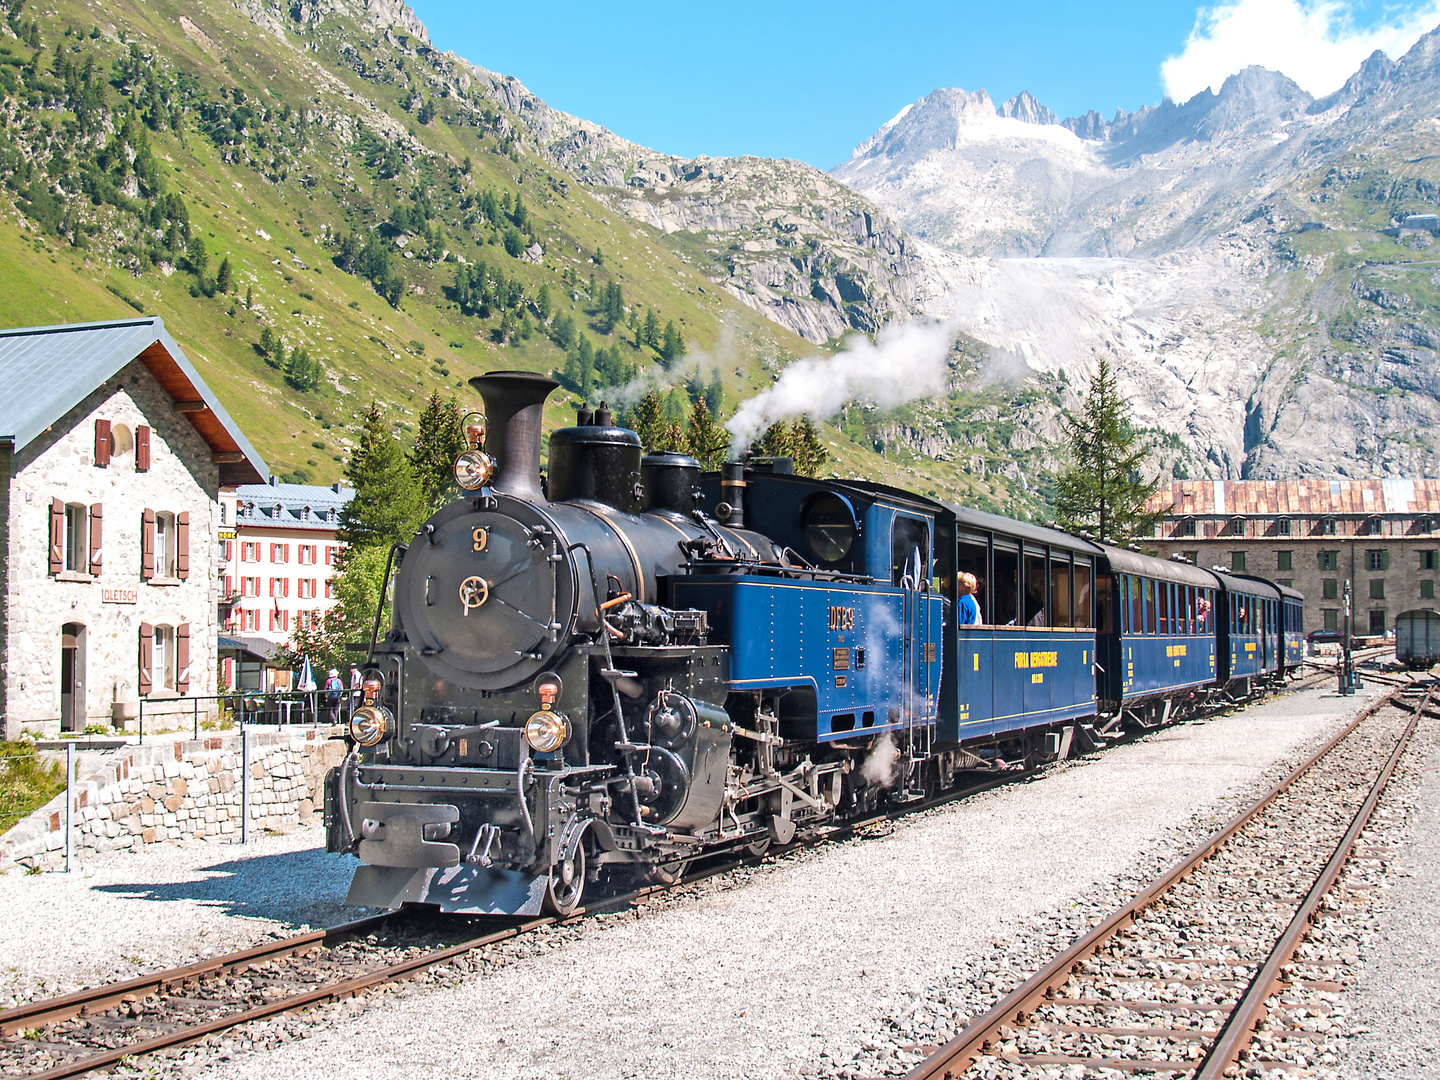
{"x":1210,"y":498}
{"x":291,"y":506}
{"x":45,"y":371}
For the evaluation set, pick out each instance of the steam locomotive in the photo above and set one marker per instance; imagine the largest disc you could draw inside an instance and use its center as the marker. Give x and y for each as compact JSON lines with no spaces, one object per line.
{"x":635,"y":663}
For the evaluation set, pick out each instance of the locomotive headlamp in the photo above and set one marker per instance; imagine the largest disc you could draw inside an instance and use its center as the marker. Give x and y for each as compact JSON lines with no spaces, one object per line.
{"x":546,"y":731}
{"x":370,"y":725}
{"x":371,"y":684}
{"x":474,"y":425}
{"x":474,"y":469}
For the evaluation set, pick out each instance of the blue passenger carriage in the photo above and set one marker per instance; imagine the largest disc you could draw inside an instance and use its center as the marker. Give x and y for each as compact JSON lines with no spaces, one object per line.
{"x":1249,"y":642}
{"x":1157,"y":633}
{"x":1028,"y":664}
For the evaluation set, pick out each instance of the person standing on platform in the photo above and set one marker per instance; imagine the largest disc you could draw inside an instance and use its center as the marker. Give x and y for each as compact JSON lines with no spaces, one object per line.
{"x":334,"y":691}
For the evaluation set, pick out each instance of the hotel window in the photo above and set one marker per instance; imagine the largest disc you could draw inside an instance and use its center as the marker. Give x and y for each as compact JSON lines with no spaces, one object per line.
{"x":1377,"y":560}
{"x":279,"y":553}
{"x":1328,"y":560}
{"x":1284,"y":560}
{"x":250,"y":551}
{"x":329,"y":589}
{"x":305,"y":554}
{"x":279,"y":586}
{"x":1237,"y":560}
{"x":1430,"y":560}
{"x":329,"y":554}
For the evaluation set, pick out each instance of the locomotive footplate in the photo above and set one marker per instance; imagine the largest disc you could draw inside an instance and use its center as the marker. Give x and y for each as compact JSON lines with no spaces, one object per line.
{"x":462,"y":890}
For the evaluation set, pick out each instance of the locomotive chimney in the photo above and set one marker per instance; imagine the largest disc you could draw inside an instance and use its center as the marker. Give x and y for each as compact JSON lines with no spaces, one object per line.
{"x":514,"y":410}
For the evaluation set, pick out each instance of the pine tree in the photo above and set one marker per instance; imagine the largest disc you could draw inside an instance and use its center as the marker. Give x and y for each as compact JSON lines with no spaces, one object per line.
{"x":777,"y":441}
{"x":810,"y":453}
{"x":267,"y":342}
{"x":388,"y":504}
{"x":715,"y":392}
{"x":439,"y":440}
{"x":542,"y":303}
{"x":249,"y":296}
{"x":649,"y":422}
{"x":222,"y":276}
{"x":197,"y":257}
{"x":706,"y":440}
{"x":1103,"y":489}
{"x":651,"y":330}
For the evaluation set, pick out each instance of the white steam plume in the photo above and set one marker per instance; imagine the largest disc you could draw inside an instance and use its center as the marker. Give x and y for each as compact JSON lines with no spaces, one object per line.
{"x":906,"y":361}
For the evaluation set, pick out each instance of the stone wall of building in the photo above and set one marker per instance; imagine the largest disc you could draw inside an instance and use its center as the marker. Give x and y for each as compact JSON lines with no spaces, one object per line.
{"x":112,"y":605}
{"x":181,"y":791}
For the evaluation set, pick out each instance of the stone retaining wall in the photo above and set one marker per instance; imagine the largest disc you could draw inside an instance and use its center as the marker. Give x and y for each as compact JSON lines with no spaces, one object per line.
{"x":186,"y":790}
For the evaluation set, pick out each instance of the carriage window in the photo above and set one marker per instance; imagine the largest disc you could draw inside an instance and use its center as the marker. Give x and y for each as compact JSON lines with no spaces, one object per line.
{"x":970,"y":559}
{"x":1060,"y":614}
{"x":1148,"y":590}
{"x":909,"y":551}
{"x":1005,"y":591}
{"x":1134,"y":622}
{"x":1162,"y":603}
{"x":1036,"y":584}
{"x":1083,"y":598}
{"x":1190,"y":610}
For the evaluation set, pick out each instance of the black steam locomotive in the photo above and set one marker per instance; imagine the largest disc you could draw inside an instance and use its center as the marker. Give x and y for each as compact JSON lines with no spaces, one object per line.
{"x":612,"y":674}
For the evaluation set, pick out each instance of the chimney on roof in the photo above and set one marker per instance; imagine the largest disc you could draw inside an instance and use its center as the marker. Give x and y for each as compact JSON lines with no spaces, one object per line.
{"x":274,"y":480}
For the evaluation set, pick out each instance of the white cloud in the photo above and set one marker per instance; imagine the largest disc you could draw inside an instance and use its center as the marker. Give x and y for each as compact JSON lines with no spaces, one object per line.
{"x":1315,"y":42}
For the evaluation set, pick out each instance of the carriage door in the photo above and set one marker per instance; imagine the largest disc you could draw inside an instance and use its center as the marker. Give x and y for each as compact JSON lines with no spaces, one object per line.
{"x":910,"y":570}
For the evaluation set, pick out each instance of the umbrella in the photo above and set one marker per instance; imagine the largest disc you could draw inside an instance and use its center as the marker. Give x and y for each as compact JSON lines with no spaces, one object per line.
{"x":307,"y":678}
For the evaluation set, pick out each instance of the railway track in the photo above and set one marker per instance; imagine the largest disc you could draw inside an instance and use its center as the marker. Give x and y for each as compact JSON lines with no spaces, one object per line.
{"x":1177,"y":981}
{"x":99,"y":1027}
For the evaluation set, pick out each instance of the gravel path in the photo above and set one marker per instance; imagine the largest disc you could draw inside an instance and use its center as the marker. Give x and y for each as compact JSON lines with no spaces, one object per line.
{"x":815,"y":964}
{"x":122,"y":914}
{"x":1393,"y":1004}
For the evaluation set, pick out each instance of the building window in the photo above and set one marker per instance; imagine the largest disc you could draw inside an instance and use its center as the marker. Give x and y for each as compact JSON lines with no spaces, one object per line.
{"x":1430,"y":560}
{"x":329,"y":589}
{"x":1237,"y":560}
{"x":250,"y":551}
{"x":1283,"y":560}
{"x":1186,"y":527}
{"x":1427,"y":589}
{"x":77,"y":527}
{"x":1424,"y":524}
{"x":1282,"y":526}
{"x":251,"y":620}
{"x":279,"y":622}
{"x":279,"y":586}
{"x":1326,"y":527}
{"x":1332,"y":618}
{"x":222,"y":513}
{"x":1192,"y":557}
{"x":166,"y":544}
{"x":1377,"y":588}
{"x":1377,"y":623}
{"x":1330,"y":589}
{"x":1329,"y":560}
{"x":162,"y":655}
{"x":279,"y":553}
{"x":1289,"y":583}
{"x":329,"y":554}
{"x":1377,"y":559}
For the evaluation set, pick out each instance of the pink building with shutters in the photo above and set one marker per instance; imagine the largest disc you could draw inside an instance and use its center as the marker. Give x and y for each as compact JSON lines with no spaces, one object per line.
{"x":115,"y":452}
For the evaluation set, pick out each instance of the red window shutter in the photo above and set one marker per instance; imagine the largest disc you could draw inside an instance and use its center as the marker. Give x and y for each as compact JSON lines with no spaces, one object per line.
{"x":182,"y":658}
{"x":97,"y":537}
{"x":147,"y":545}
{"x":285,"y":586}
{"x":182,"y":546}
{"x":147,"y":655}
{"x":142,"y":449}
{"x":102,"y":443}
{"x":57,"y":536}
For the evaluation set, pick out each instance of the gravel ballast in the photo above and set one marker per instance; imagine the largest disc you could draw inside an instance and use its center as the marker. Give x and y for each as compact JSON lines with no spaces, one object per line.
{"x":814,"y":965}
{"x":119,"y":915}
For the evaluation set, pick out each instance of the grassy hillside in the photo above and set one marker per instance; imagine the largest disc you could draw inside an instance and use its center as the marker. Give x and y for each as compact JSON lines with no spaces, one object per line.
{"x":301,"y":177}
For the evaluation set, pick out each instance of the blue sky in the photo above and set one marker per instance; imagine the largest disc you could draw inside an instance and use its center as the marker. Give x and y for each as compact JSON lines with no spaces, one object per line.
{"x":809,"y":80}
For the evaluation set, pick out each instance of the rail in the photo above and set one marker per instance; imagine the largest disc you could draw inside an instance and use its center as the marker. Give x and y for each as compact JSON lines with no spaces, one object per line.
{"x":976,"y":1041}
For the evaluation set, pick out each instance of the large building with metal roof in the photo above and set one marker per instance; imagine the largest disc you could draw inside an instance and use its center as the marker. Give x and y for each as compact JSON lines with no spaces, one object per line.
{"x":115,"y":451}
{"x":1381,"y":538}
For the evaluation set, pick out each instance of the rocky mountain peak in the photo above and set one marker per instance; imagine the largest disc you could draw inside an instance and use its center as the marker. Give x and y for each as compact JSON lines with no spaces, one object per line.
{"x":1025,"y":108}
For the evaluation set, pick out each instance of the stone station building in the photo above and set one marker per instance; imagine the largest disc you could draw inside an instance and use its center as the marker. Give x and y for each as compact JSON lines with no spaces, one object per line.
{"x":1382,"y":536}
{"x":114,"y":452}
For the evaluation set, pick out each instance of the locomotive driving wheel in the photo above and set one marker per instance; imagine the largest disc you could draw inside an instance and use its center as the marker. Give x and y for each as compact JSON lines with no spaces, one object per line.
{"x":566,"y":884}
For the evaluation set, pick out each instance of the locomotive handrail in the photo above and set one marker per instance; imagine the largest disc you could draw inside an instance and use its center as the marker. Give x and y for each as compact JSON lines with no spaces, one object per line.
{"x":384,"y":588}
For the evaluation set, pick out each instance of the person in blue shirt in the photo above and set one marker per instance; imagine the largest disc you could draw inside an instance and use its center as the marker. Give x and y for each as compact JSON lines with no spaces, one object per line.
{"x":968,"y":610}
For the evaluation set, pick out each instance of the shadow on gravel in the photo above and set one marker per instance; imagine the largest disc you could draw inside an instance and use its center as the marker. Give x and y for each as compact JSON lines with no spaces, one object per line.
{"x":293,"y":886}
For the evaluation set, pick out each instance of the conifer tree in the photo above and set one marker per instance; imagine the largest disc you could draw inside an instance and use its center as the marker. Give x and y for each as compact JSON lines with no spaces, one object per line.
{"x":388,"y":504}
{"x":809,"y":452}
{"x":439,"y":440}
{"x":715,"y":392}
{"x":672,"y":345}
{"x":1103,"y":489}
{"x":777,"y":441}
{"x":648,"y":421}
{"x":706,"y":440}
{"x":222,"y":276}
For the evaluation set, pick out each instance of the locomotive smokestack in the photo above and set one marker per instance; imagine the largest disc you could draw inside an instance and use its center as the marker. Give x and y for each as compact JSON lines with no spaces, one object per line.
{"x":514,"y":410}
{"x":732,"y":492}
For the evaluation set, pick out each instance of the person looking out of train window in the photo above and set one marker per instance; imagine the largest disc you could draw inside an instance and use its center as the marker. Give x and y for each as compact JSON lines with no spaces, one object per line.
{"x":968,"y":609}
{"x":1202,"y":607}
